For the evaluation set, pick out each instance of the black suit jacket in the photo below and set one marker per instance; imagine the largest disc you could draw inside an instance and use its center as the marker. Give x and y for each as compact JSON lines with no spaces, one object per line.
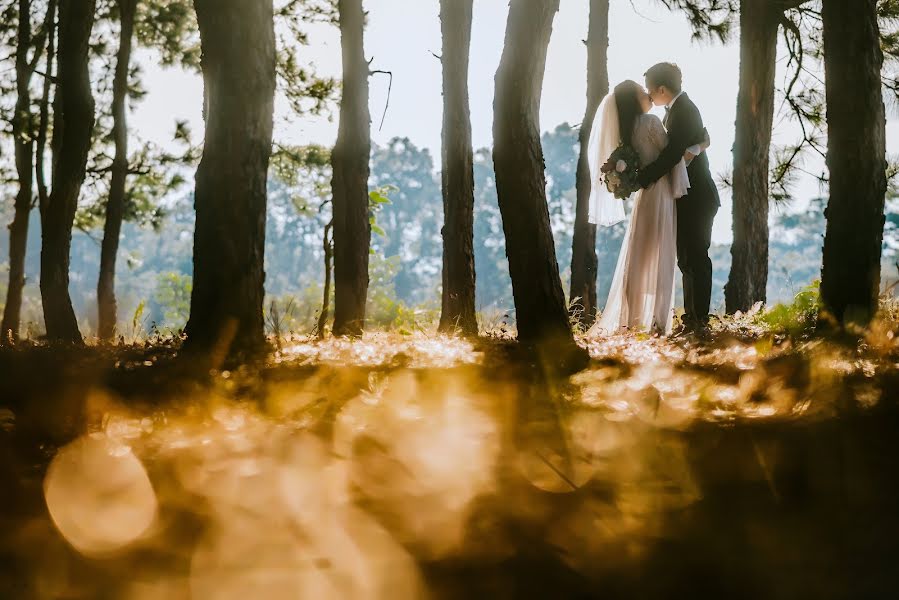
{"x":685,"y":129}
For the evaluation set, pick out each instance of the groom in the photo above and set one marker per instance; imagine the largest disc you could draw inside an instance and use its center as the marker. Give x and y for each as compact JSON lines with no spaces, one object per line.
{"x":696,"y":211}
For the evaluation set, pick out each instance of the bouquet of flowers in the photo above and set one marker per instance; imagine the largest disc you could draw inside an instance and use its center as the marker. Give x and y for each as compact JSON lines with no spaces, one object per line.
{"x":620,"y":172}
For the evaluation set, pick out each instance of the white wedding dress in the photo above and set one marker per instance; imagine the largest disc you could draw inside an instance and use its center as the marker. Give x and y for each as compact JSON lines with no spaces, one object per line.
{"x":642,"y":293}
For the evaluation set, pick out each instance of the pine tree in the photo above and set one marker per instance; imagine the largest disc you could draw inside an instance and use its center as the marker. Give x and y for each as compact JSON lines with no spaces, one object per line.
{"x":856,"y":159}
{"x":584,"y":262}
{"x":238,"y":61}
{"x":541,"y":313}
{"x":73,"y":121}
{"x":24,"y":132}
{"x":458,"y":296}
{"x":115,"y":205}
{"x":748,"y":281}
{"x":349,"y":160}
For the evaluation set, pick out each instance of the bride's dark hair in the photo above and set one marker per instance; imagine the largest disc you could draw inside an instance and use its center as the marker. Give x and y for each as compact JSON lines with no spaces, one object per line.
{"x":627,"y":99}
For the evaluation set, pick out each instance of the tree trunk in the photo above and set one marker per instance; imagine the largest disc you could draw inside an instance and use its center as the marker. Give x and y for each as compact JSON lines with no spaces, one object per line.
{"x":73,"y":123}
{"x":44,"y":122}
{"x":328,"y":249}
{"x":541,"y":313}
{"x":226,"y":308}
{"x":458,"y":303}
{"x":584,"y":263}
{"x":115,"y":205}
{"x":350,"y":163}
{"x":23,"y":140}
{"x":748,"y":282}
{"x":856,"y":159}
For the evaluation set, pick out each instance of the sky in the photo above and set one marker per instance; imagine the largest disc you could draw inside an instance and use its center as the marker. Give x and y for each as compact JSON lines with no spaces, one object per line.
{"x":403,"y":36}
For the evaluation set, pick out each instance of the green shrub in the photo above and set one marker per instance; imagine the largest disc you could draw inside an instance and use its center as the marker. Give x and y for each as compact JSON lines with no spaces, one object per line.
{"x":797,"y":318}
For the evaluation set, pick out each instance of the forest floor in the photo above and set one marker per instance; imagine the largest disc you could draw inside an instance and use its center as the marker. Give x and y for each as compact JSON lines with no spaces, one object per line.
{"x":749,"y":466}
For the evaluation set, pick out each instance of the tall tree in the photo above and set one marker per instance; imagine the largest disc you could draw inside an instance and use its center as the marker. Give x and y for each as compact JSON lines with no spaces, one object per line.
{"x":541,"y":313}
{"x":352,"y":228}
{"x":584,"y":261}
{"x":759,"y":23}
{"x":856,"y":158}
{"x":458,"y":302}
{"x":23,"y":130}
{"x":73,"y":121}
{"x":238,"y":62}
{"x":115,"y":206}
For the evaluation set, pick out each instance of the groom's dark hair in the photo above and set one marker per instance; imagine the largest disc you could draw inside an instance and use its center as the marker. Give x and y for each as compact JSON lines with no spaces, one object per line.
{"x":667,"y":74}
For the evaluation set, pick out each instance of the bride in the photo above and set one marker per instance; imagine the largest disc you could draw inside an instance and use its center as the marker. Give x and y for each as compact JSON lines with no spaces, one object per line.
{"x":642,"y":293}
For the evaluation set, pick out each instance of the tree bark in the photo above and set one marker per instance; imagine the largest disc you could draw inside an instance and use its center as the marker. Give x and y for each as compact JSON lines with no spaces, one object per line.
{"x":350,"y":163}
{"x":584,"y":262}
{"x":458,"y":302}
{"x":328,"y":249}
{"x":72,"y":126}
{"x":23,"y":141}
{"x":44,"y":122}
{"x":541,"y":313}
{"x":748,"y":281}
{"x":856,"y":159}
{"x":238,"y":62}
{"x":115,"y":205}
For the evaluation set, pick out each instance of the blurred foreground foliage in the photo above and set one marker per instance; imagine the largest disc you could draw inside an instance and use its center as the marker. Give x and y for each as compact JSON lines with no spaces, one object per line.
{"x":412,"y":465}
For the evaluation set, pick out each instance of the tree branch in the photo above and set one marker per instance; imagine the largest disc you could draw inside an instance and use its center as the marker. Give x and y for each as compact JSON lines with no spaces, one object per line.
{"x":389,"y":89}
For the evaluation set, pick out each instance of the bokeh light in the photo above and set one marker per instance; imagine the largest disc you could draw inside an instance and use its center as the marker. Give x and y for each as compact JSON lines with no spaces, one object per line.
{"x":99,"y":495}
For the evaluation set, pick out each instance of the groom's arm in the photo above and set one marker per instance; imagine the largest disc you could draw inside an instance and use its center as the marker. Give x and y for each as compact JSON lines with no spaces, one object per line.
{"x":697,"y":149}
{"x":679,"y":139}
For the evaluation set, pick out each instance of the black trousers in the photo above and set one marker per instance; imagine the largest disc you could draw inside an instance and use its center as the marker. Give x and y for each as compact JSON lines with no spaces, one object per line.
{"x":694,"y":238}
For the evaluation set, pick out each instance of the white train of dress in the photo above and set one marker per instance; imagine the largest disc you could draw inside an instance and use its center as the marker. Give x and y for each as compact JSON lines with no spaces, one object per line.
{"x":642,"y":294}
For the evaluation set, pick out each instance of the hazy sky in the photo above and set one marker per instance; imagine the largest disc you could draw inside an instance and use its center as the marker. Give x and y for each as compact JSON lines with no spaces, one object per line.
{"x":402,"y":34}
